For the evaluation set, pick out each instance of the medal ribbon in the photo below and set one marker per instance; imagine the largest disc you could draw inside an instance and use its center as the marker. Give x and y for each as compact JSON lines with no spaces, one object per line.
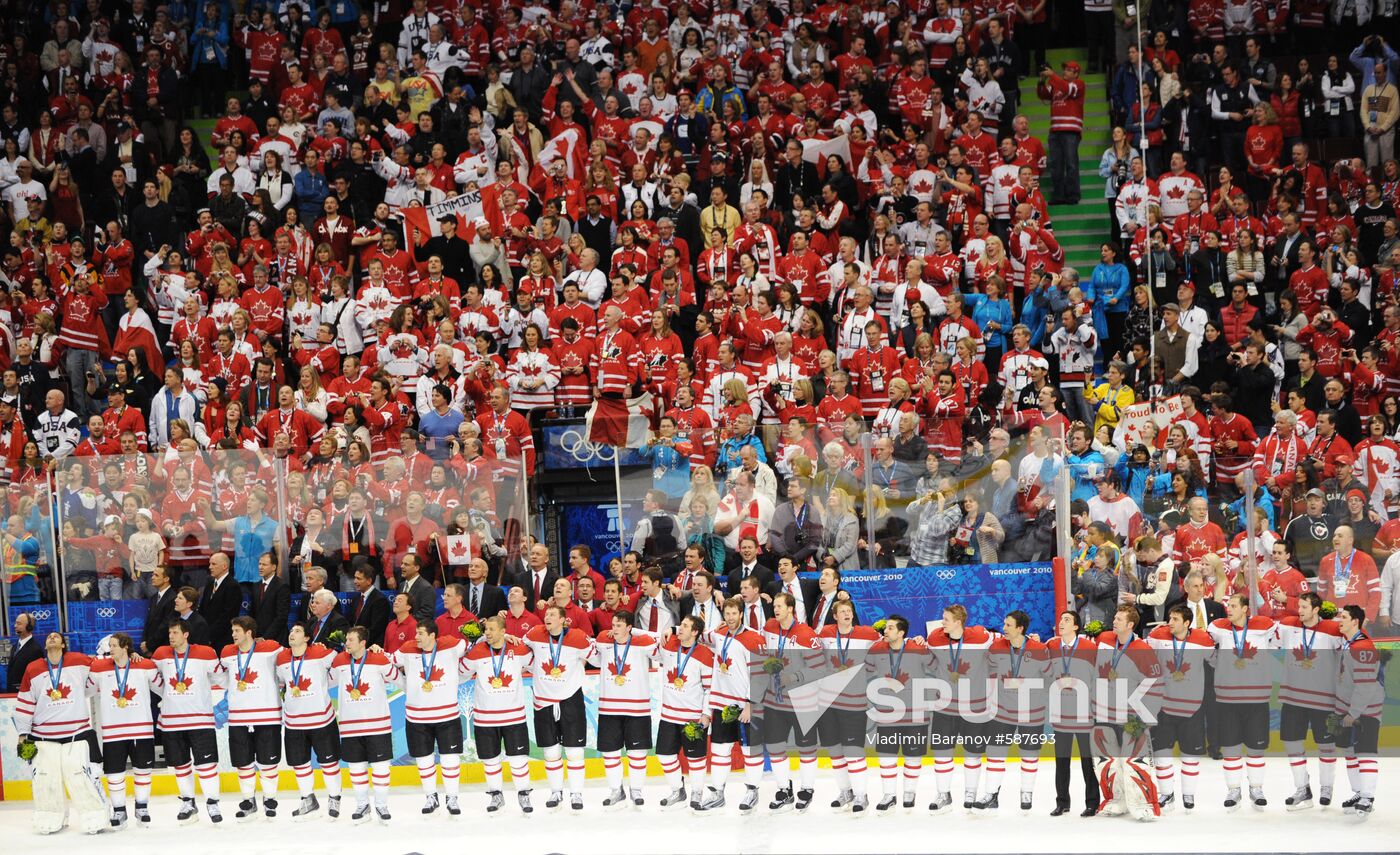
{"x":180,"y":665}
{"x":55,"y":674}
{"x":1066,"y":660}
{"x":620,"y":662}
{"x":427,"y":662}
{"x":241,"y":667}
{"x":1119,"y":651}
{"x":357,"y":668}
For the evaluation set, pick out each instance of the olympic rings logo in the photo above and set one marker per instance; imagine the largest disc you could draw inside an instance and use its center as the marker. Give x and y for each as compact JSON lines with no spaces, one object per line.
{"x":572,"y":443}
{"x":41,"y":614}
{"x":947,"y":574}
{"x":107,"y":612}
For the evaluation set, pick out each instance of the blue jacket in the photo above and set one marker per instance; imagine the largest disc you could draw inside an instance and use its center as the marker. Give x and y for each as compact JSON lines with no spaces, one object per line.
{"x":670,"y":469}
{"x":1045,"y":300}
{"x":1109,"y":281}
{"x":984,"y":310}
{"x":711,"y":100}
{"x":203,"y":48}
{"x":729,"y":452}
{"x":1263,"y":501}
{"x":311,"y":191}
{"x":1084,"y":470}
{"x":1132,"y":480}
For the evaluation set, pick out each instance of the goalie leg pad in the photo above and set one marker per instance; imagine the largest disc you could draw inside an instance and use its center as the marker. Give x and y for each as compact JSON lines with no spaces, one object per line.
{"x":1139,"y":790}
{"x":50,"y":804}
{"x":84,"y":789}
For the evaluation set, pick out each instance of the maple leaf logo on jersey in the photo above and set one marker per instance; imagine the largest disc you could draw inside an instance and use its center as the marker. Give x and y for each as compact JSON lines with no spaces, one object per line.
{"x":1250,"y":651}
{"x":357,"y":690}
{"x":1185,"y":666}
{"x":1107,"y":672}
{"x":724,"y":664}
{"x":128,"y":695}
{"x":960,"y":669}
{"x":1176,"y":192}
{"x":1303,"y":655}
{"x":626,"y":669}
{"x":841,"y":666}
{"x":434,"y":676}
{"x":555,"y":669}
{"x":60,"y":692}
{"x":300,"y":686}
{"x":182,"y":686}
{"x":923,"y":186}
{"x":1008,"y":181}
{"x":677,"y":680}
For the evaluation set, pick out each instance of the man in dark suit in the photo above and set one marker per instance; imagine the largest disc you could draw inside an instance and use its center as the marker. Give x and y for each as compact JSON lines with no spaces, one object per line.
{"x":272,"y":602}
{"x":186,"y":600}
{"x":794,"y":175}
{"x":749,"y":566}
{"x":221,"y":602}
{"x":454,"y":252}
{"x":315,"y":581}
{"x":156,"y":632}
{"x":796,"y":529}
{"x":371,"y":609}
{"x":757,"y":610}
{"x":260,"y":395}
{"x":828,"y":592}
{"x":26,"y":649}
{"x":483,"y":600}
{"x":703,"y":601}
{"x":537,"y":578}
{"x":422,"y":597}
{"x":325,"y":620}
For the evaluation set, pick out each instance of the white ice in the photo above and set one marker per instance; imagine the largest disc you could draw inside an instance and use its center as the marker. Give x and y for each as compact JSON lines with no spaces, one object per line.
{"x":595,"y":830}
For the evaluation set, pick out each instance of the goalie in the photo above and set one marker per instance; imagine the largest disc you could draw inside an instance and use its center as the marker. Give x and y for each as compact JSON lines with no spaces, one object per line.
{"x":1128,"y":669}
{"x":51,"y":715}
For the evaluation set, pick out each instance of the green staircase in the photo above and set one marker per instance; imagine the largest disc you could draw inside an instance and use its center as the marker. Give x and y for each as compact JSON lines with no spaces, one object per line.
{"x":1081,"y":228}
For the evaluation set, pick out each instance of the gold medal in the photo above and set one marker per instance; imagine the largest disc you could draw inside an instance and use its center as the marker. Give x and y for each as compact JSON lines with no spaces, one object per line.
{"x":121,"y":703}
{"x":242,"y":686}
{"x":496,"y":683}
{"x":678,"y":683}
{"x":427,"y":685}
{"x":1178,"y":676}
{"x":1305,"y":664}
{"x":55,"y":695}
{"x":620,"y":679}
{"x":1240,"y":664}
{"x":953,"y":674}
{"x":724,"y":666}
{"x":181,"y":686}
{"x":354,"y":694}
{"x":1113,"y":673}
{"x":556,"y":671}
{"x":296,"y":693}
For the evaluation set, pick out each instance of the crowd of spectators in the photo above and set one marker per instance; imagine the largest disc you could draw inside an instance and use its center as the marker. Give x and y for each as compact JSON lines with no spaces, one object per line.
{"x":816,"y":235}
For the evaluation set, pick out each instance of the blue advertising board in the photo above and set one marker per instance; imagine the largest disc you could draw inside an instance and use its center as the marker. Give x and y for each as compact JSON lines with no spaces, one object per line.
{"x":567,"y":447}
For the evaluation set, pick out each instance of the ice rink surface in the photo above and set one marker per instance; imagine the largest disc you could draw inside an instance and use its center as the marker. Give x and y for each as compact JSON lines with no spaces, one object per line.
{"x":650,"y":830}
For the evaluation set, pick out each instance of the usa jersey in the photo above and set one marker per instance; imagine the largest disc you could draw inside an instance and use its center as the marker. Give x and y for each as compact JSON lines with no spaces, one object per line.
{"x":253,"y":698}
{"x":558,"y":671}
{"x":362,"y":691}
{"x":123,"y":697}
{"x":499,"y":699}
{"x":306,"y":687}
{"x":431,"y":680}
{"x":738,"y":657}
{"x":685,"y":680}
{"x":188,"y":683}
{"x":624,"y":669}
{"x":52,"y":703}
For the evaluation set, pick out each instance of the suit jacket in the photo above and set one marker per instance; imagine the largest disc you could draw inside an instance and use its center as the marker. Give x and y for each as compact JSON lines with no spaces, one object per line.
{"x":303,"y":613}
{"x":767,"y":579}
{"x":220,"y":607}
{"x":642,"y":605}
{"x":767,"y":609}
{"x":491,"y":601}
{"x":271,"y":610}
{"x":19,"y":661}
{"x":830,"y":617}
{"x":156,"y":632}
{"x":422,"y":600}
{"x":199,"y":628}
{"x":247,"y":396}
{"x":526,"y":580}
{"x":335,"y":622}
{"x":374,"y":615}
{"x":1215,"y":610}
{"x":713,"y":614}
{"x":783,"y":533}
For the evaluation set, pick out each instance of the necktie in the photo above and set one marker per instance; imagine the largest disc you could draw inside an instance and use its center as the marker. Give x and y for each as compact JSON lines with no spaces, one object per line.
{"x":538,"y":582}
{"x":654,"y":623}
{"x":359,"y":607}
{"x":753,"y":616}
{"x":1200,"y":616}
{"x":821,"y":609}
{"x":702,"y":612}
{"x":473,"y":603}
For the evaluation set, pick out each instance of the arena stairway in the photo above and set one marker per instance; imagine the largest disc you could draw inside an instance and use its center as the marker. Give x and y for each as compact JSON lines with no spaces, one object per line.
{"x":1080,"y":228}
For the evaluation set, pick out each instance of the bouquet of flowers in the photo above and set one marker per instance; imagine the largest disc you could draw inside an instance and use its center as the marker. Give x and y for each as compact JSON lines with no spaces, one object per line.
{"x":1334,"y":725}
{"x":772,"y":666}
{"x":1328,"y":610}
{"x":879,"y":626}
{"x":1093,"y":628}
{"x":730,"y":714}
{"x":471,"y":631}
{"x":27,"y":750}
{"x":1134,"y":727}
{"x":693,"y":732}
{"x":336,"y":638}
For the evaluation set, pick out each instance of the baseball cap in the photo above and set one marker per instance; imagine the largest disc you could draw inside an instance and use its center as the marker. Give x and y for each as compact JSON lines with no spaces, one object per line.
{"x":111,"y":519}
{"x":1171,"y":307}
{"x":9,"y":400}
{"x":1316,"y":492}
{"x":1070,"y":65}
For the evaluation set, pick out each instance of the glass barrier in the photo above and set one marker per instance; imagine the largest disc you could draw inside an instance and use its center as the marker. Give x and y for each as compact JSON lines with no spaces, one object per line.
{"x":32,"y":581}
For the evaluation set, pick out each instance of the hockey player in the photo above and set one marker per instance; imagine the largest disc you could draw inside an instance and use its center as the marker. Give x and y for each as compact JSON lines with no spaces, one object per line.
{"x":431,"y":669}
{"x":1243,"y":684}
{"x":841,"y":729}
{"x":254,"y":716}
{"x":304,"y":674}
{"x":561,"y":728}
{"x":1126,"y":664}
{"x":1182,"y":653}
{"x":1020,"y":667}
{"x":738,"y":655}
{"x":363,"y":679}
{"x":686,"y":669}
{"x":1308,"y":695}
{"x":52,"y":711}
{"x":623,"y":658}
{"x":898,"y":659}
{"x":1360,"y":697}
{"x":797,"y":653}
{"x":498,"y":714}
{"x":123,"y":687}
{"x":959,"y":655}
{"x":190,"y":674}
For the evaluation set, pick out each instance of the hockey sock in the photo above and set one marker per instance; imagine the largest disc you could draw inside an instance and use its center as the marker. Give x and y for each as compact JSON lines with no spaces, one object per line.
{"x":1190,"y":776}
{"x":116,"y":789}
{"x":247,"y":781}
{"x":1254,"y":768}
{"x":721,"y":758}
{"x":838,"y":768}
{"x":1166,"y":774}
{"x":1353,"y":774}
{"x":576,"y":769}
{"x":209,"y":780}
{"x":943,"y":773}
{"x":1370,"y":771}
{"x":1029,"y":766}
{"x":889,"y":774}
{"x":996,"y":768}
{"x":636,"y":768}
{"x":695,"y":777}
{"x":184,"y":780}
{"x":972,"y":772}
{"x":520,"y":772}
{"x":380,"y":771}
{"x":141,"y":778}
{"x":1327,"y":764}
{"x":753,"y":765}
{"x":807,"y":767}
{"x":855,"y":768}
{"x":427,"y":774}
{"x":451,"y":773}
{"x":1234,"y":765}
{"x":359,"y":783}
{"x":612,"y":769}
{"x":912,"y":767}
{"x":330,"y":776}
{"x":492,"y":769}
{"x":671,"y":768}
{"x":306,"y":782}
{"x":1297,"y":763}
{"x":268,"y":774}
{"x":554,"y":768}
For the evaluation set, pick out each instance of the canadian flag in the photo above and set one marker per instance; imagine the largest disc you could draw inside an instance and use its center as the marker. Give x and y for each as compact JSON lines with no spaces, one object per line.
{"x":423,"y":223}
{"x":459,"y":549}
{"x":135,"y":331}
{"x":569,"y":147}
{"x":620,"y":422}
{"x":818,"y":150}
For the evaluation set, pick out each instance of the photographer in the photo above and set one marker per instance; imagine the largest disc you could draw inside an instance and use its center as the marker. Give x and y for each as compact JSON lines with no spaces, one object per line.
{"x":936,"y":514}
